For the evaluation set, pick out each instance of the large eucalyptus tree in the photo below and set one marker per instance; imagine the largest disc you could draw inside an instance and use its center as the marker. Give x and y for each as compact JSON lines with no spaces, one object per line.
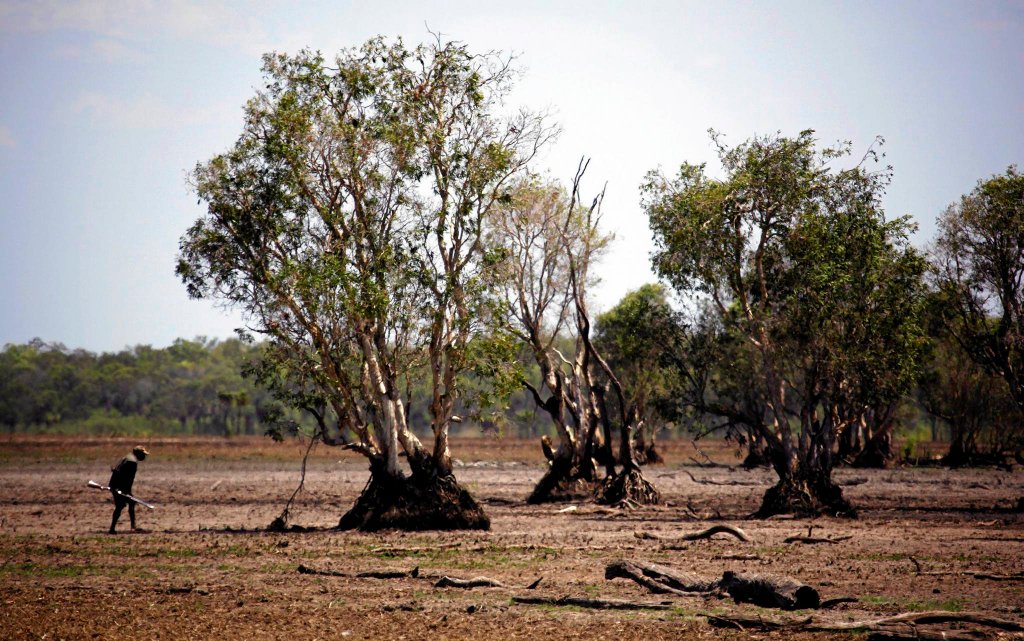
{"x":346,"y":224}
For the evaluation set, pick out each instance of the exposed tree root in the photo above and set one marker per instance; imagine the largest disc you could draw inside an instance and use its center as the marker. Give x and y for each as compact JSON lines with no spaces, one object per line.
{"x":423,"y":501}
{"x":628,"y":487}
{"x":600,"y":604}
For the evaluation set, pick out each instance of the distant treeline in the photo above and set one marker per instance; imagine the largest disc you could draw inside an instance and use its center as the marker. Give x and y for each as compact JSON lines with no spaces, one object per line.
{"x":190,"y":387}
{"x":197,"y":387}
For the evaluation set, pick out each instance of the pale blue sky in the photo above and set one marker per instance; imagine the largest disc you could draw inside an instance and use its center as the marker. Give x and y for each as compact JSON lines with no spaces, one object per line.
{"x":104,"y":106}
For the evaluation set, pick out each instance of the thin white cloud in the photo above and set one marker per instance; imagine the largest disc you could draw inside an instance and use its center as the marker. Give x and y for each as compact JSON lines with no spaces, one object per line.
{"x":118,"y":25}
{"x":146,"y":112}
{"x":103,"y":49}
{"x":7,"y":138}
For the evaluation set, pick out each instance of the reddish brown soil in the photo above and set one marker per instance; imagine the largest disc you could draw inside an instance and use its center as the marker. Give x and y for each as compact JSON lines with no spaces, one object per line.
{"x":201,"y":570}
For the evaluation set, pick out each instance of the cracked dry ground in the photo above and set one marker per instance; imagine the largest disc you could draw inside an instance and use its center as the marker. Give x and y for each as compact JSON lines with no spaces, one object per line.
{"x":201,"y":570}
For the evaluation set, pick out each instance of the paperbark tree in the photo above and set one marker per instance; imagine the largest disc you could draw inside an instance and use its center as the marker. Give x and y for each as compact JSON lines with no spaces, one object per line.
{"x":978,"y":269}
{"x":827,"y":294}
{"x":633,"y":337}
{"x":552,"y":242}
{"x":346,"y":224}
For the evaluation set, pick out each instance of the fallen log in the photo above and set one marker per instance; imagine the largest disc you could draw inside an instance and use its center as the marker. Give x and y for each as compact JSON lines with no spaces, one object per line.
{"x":769,"y":591}
{"x":477,"y":582}
{"x":659,"y":579}
{"x":764,"y":590}
{"x":600,"y":604}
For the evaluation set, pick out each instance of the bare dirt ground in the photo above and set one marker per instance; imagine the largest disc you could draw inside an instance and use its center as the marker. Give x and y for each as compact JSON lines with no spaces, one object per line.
{"x":201,"y":569}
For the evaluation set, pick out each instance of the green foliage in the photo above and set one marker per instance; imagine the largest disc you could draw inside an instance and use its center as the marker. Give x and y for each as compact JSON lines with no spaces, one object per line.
{"x":796,"y":260}
{"x":191,"y":387}
{"x":346,"y":224}
{"x":633,"y":337}
{"x":978,"y":270}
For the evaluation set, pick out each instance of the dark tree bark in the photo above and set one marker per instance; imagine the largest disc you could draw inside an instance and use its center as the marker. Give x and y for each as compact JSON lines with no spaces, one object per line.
{"x":805,"y":484}
{"x":429,"y":499}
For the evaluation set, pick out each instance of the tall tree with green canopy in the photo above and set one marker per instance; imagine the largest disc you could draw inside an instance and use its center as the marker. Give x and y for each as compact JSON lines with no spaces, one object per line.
{"x":346,"y":224}
{"x":633,"y":336}
{"x":827,"y":294}
{"x":978,"y":270}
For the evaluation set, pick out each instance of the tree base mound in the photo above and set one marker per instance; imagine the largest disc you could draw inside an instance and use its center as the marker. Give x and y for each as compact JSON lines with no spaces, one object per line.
{"x":877,"y":454}
{"x":649,"y":455}
{"x":419,"y":502}
{"x":756,"y":459}
{"x":801,"y":499}
{"x":628,"y":487}
{"x":557,"y":486}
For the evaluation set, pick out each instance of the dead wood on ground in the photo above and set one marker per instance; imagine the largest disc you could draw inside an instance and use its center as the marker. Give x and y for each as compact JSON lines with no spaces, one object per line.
{"x":308,"y":570}
{"x":928,"y":635}
{"x":764,"y":590}
{"x":660,"y":579}
{"x":369,"y":574}
{"x":476,"y":582}
{"x":813,"y":624}
{"x":600,"y":604}
{"x":717,"y":529}
{"x":697,"y":536}
{"x":390,"y":574}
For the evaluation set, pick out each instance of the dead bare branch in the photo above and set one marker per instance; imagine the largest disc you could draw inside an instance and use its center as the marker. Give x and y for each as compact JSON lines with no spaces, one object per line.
{"x":600,"y":604}
{"x":476,"y":582}
{"x":717,"y":529}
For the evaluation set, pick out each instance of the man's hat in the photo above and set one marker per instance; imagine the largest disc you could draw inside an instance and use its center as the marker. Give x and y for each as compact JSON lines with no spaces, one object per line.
{"x":138,"y":449}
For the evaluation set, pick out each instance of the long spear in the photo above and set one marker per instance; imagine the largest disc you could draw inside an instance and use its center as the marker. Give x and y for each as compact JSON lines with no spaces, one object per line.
{"x":97,"y":486}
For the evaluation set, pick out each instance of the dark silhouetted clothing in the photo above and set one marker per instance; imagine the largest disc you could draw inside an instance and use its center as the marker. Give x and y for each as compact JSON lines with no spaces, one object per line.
{"x":121,"y":479}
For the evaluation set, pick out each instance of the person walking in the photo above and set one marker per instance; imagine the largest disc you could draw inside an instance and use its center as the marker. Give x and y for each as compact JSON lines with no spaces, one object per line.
{"x":121,"y":479}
